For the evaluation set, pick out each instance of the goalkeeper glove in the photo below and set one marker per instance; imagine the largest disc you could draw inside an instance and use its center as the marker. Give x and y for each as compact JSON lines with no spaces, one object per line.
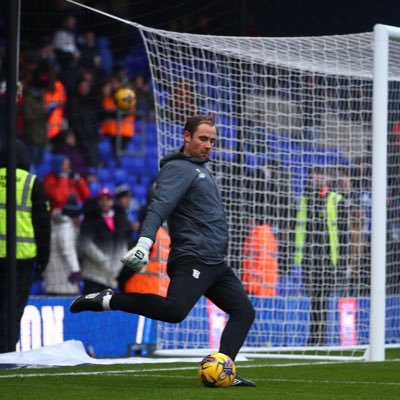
{"x":137,"y":258}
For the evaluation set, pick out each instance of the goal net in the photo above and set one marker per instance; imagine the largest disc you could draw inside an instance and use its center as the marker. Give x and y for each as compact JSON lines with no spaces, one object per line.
{"x":293,"y":161}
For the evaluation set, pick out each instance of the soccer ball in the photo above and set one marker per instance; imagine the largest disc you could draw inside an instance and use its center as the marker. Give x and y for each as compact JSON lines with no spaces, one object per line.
{"x":125,"y":99}
{"x":217,"y":370}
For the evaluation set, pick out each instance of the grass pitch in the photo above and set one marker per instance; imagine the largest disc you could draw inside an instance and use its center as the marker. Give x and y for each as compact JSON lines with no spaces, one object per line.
{"x":276,"y":379}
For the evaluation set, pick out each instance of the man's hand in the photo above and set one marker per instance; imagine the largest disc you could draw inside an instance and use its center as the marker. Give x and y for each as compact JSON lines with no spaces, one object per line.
{"x":137,"y":258}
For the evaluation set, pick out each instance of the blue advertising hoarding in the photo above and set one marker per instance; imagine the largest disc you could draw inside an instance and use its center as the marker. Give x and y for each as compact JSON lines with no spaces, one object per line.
{"x":280,"y":321}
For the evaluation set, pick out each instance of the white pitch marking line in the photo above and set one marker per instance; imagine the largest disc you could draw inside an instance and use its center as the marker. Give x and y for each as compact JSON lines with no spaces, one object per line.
{"x":142,"y":374}
{"x":193,"y":368}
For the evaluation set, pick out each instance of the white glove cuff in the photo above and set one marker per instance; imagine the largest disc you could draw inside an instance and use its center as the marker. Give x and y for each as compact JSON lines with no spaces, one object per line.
{"x":145,"y":242}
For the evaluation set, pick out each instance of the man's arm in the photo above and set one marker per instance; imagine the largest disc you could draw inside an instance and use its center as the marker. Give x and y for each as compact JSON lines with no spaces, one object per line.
{"x":172,"y":184}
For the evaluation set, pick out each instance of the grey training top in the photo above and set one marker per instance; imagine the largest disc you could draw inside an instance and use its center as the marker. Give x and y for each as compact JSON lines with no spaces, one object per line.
{"x":187,"y":196}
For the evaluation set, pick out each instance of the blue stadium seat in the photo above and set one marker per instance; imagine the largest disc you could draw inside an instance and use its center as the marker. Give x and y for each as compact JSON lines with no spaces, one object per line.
{"x":151,"y":128}
{"x":120,"y":175}
{"x":140,"y":192}
{"x":104,"y":175}
{"x":132,"y":180}
{"x":42,"y":170}
{"x":94,"y":188}
{"x":106,"y":55}
{"x":138,"y":125}
{"x":105,"y":148}
{"x":152,"y":151}
{"x":136,"y":62}
{"x":134,"y":165}
{"x":47,"y":157}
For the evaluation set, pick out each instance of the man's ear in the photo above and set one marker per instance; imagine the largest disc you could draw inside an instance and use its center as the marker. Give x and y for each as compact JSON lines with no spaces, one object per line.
{"x":186,"y":136}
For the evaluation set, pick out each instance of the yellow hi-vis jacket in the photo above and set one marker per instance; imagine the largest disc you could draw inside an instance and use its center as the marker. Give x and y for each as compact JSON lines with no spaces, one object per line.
{"x":25,"y":234}
{"x":332,"y":202}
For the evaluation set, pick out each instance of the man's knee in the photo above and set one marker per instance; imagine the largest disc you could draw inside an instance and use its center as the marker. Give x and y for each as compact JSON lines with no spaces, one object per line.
{"x":245,"y":312}
{"x":174,"y":313}
{"x":175,"y":316}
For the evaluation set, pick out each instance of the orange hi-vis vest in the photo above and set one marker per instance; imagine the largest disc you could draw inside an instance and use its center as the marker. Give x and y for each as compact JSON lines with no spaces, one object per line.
{"x":260,"y":264}
{"x":154,"y":280}
{"x":55,"y":119}
{"x":111,"y":126}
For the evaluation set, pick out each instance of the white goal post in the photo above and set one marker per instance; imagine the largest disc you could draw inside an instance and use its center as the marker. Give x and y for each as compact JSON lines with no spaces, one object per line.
{"x":382,"y":36}
{"x":285,"y":109}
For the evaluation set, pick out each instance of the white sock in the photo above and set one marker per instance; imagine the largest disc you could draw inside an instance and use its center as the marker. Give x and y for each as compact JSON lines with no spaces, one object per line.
{"x":106,"y":302}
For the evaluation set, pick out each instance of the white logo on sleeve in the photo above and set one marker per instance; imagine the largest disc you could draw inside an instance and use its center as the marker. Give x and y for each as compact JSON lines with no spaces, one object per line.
{"x":201,"y":174}
{"x":196,"y":274}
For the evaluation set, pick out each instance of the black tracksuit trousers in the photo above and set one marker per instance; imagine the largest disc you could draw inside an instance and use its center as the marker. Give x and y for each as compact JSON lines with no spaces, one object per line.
{"x":189,"y":281}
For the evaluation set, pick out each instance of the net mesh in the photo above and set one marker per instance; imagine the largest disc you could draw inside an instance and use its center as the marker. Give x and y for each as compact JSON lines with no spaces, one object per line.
{"x":293,"y":162}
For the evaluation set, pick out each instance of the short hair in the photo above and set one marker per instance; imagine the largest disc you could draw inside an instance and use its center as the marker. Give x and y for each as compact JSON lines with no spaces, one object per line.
{"x":193,"y":122}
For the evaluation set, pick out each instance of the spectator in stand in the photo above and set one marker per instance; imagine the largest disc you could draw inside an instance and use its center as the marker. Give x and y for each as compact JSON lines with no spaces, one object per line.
{"x":144,"y":98}
{"x":83,"y":119}
{"x":260,"y":261}
{"x":124,"y":199}
{"x":115,"y":123}
{"x":360,"y":227}
{"x":68,"y":147}
{"x":34,"y":124}
{"x":64,"y":43}
{"x":47,"y":53}
{"x":320,"y":250}
{"x":268,"y":197}
{"x":66,"y":49}
{"x":62,"y":275}
{"x":89,"y":55}
{"x":182,"y":101}
{"x":32,"y":238}
{"x":61,"y":182}
{"x":105,"y":234}
{"x":54,"y":99}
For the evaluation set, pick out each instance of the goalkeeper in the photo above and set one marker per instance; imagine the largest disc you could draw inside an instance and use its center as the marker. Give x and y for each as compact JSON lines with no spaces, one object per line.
{"x":187,"y":196}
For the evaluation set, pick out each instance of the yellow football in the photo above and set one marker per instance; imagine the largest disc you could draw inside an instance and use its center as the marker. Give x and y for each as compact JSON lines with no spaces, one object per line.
{"x":125,"y":99}
{"x":217,"y":370}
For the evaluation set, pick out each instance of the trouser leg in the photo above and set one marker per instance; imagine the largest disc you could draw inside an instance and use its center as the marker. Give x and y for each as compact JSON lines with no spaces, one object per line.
{"x":228,"y":294}
{"x":183,"y":292}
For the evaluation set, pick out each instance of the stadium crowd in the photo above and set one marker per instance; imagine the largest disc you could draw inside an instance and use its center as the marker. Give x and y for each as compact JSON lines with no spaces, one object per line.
{"x":70,"y":122}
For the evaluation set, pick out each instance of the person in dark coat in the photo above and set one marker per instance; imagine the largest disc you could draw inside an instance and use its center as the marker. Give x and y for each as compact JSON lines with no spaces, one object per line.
{"x":105,"y":234}
{"x":83,"y":119}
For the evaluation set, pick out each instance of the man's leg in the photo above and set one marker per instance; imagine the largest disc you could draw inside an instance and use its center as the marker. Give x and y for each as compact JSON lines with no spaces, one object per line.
{"x":185,"y":289}
{"x":228,"y":294}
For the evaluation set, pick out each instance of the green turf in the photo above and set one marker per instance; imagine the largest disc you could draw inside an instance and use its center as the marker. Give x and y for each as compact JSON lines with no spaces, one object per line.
{"x":276,"y":379}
